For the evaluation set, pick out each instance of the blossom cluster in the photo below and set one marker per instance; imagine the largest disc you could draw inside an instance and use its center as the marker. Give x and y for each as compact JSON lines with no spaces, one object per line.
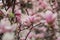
{"x":36,"y":23}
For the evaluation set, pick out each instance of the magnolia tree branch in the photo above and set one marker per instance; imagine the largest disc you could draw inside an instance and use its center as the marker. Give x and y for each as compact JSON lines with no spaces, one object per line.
{"x":29,"y":31}
{"x":13,"y":1}
{"x":33,"y":26}
{"x":19,"y":32}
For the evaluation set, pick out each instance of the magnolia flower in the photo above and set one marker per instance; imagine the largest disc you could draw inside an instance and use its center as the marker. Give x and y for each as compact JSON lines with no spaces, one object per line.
{"x":18,"y":15}
{"x":5,"y":26}
{"x":50,"y":17}
{"x":18,"y":12}
{"x":42,"y":4}
{"x":27,"y":22}
{"x":37,"y":18}
{"x":10,"y":28}
{"x":32,"y":19}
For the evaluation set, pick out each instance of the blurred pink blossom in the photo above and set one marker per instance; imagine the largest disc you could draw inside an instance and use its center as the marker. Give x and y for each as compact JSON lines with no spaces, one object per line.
{"x":43,"y":4}
{"x":37,"y":18}
{"x":5,"y":26}
{"x":58,"y":38}
{"x":27,"y":22}
{"x":32,"y":19}
{"x":50,"y":17}
{"x":18,"y":15}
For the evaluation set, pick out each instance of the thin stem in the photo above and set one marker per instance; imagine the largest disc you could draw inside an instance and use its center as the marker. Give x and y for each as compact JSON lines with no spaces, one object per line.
{"x":52,"y":33}
{"x":29,"y":32}
{"x":13,"y":1}
{"x":4,"y":5}
{"x":33,"y":26}
{"x":18,"y":32}
{"x":27,"y":12}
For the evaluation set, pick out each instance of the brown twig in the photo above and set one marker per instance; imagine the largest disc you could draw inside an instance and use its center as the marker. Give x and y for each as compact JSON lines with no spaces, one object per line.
{"x":27,"y":12}
{"x":13,"y":1}
{"x":29,"y":32}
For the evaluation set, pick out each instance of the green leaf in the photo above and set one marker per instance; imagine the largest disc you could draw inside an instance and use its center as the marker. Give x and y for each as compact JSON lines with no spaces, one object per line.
{"x":11,"y":15}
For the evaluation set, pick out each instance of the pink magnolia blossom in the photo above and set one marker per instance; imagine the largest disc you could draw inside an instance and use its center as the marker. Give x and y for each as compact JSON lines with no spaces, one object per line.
{"x":18,"y":15}
{"x":5,"y":26}
{"x":37,"y":18}
{"x":50,"y":17}
{"x":27,"y":22}
{"x":10,"y":28}
{"x":32,"y":19}
{"x":43,"y":4}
